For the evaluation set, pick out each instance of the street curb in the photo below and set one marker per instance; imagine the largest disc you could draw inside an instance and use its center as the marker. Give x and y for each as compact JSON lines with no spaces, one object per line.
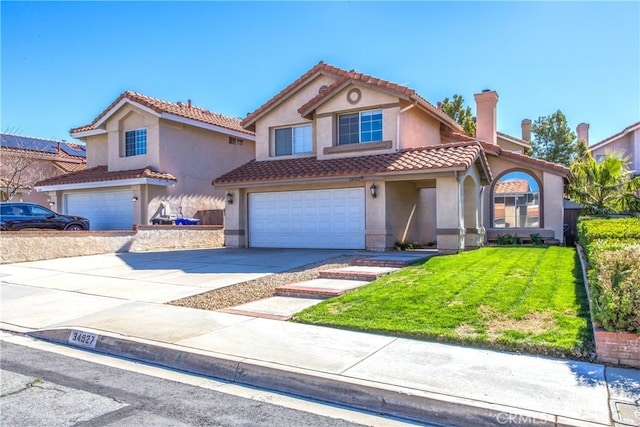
{"x":411,"y":404}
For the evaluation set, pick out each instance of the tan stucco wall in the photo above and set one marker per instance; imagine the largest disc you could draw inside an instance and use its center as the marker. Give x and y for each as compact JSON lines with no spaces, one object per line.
{"x":553,"y":191}
{"x":126,"y":119}
{"x":417,"y":129}
{"x":510,"y":146}
{"x":326,"y":122}
{"x":97,"y":150}
{"x":448,"y":200}
{"x":286,"y":114}
{"x":195,"y":157}
{"x":402,"y":203}
{"x":621,"y":145}
{"x":426,"y":215}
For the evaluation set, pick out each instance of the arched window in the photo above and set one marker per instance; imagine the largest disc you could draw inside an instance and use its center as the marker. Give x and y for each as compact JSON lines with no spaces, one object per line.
{"x":516,"y":201}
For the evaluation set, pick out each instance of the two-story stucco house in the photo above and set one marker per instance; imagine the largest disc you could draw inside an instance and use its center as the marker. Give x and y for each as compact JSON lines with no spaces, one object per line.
{"x":148,"y":158}
{"x":346,"y":160}
{"x":626,"y":142}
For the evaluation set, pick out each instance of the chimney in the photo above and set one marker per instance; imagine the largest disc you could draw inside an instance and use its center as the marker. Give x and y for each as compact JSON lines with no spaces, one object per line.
{"x":189,"y":103}
{"x":486,"y":103}
{"x":439,"y":106}
{"x":526,"y":130}
{"x":583,"y":132}
{"x":58,"y":147}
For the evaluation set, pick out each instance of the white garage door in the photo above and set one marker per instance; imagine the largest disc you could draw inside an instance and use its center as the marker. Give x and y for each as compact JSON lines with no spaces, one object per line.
{"x":106,"y":210}
{"x":329,"y":219}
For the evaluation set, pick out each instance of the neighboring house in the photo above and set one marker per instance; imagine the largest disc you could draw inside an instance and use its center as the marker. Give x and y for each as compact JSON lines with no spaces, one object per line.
{"x":625,"y":142}
{"x":346,"y":160}
{"x":149,"y":158}
{"x":26,"y":160}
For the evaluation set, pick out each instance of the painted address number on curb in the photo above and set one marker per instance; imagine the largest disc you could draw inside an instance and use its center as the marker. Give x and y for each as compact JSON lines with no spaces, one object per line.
{"x":83,"y":339}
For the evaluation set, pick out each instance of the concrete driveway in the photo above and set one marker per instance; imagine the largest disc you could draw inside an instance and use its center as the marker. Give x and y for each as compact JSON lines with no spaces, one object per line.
{"x":47,"y":293}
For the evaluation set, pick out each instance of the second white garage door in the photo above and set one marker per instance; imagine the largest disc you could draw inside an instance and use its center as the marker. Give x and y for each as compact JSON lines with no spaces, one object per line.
{"x":106,"y":210}
{"x":327,"y":219}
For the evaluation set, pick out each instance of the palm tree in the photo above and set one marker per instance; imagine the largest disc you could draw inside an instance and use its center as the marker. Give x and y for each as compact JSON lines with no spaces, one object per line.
{"x":604,"y":187}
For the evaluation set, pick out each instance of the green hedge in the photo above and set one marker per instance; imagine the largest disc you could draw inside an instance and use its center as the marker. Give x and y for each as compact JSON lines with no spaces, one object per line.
{"x":612,"y":247}
{"x":615,"y":228}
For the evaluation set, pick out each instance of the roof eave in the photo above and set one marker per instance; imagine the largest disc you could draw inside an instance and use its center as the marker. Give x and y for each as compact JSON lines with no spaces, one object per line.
{"x":249,"y":122}
{"x":106,"y":183}
{"x":197,"y":123}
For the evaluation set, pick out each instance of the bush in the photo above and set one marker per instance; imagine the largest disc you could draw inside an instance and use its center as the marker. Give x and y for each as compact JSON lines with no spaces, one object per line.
{"x":612,"y":247}
{"x":615,"y":289}
{"x":618,"y":228}
{"x":536,"y":239}
{"x":508,"y":239}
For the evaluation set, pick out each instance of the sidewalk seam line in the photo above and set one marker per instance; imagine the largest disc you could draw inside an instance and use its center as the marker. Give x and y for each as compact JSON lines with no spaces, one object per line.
{"x":367,"y":357}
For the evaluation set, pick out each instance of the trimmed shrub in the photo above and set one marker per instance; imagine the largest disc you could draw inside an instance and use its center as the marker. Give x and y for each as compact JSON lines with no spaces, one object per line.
{"x":612,"y":247}
{"x":615,"y":289}
{"x":615,"y":228}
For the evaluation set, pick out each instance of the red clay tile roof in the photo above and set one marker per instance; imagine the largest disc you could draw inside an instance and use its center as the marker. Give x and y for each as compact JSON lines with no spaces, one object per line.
{"x":70,"y":167}
{"x":512,"y":186}
{"x":320,"y":68}
{"x":429,"y":158}
{"x":495,"y":150}
{"x":343,"y":78}
{"x":100,"y":173}
{"x":178,"y":109}
{"x":400,"y":90}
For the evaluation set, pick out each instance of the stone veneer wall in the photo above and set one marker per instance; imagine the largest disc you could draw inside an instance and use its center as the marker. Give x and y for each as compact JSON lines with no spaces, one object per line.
{"x":614,"y":348}
{"x":24,"y":246}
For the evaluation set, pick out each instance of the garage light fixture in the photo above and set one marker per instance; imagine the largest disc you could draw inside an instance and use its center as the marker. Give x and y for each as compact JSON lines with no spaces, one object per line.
{"x":230,"y":198}
{"x":134,"y":199}
{"x":51,"y":203}
{"x":374,"y":190}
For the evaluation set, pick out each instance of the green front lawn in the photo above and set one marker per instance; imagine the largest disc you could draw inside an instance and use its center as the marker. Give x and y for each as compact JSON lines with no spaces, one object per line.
{"x":522,"y":298}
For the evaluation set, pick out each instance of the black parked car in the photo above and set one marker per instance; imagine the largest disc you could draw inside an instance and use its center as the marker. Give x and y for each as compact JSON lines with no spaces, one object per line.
{"x":16,"y":216}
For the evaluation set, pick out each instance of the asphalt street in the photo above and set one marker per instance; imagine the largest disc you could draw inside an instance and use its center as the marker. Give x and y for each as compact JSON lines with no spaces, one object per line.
{"x":41,"y":388}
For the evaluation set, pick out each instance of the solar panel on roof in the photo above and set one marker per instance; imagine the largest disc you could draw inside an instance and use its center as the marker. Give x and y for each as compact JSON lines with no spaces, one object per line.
{"x":28,"y":143}
{"x":72,"y":151}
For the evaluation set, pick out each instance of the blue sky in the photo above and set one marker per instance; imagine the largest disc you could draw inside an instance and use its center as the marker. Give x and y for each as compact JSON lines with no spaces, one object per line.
{"x":62,"y":63}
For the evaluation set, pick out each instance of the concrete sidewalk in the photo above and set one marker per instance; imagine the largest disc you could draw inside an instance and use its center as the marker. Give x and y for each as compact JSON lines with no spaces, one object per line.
{"x":422,"y":381}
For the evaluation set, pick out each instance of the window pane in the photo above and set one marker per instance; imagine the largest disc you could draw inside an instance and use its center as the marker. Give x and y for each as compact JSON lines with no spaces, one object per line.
{"x":348,"y":129}
{"x":135,"y":142}
{"x":516,"y":201}
{"x":283,"y":142}
{"x":371,"y":126}
{"x":302,"y":139}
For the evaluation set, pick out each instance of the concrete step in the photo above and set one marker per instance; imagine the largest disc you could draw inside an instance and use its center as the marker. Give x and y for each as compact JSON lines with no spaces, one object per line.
{"x":393,"y":260}
{"x":319,"y":288}
{"x":275,"y":308}
{"x":364,"y":273}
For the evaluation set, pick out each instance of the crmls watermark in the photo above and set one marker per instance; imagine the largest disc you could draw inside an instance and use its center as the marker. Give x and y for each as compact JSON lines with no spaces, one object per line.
{"x":505,"y":418}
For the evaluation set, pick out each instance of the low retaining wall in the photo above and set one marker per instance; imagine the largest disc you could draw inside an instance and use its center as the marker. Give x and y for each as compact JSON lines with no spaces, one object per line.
{"x":618,"y":348}
{"x":614,"y":348}
{"x":21,"y":246}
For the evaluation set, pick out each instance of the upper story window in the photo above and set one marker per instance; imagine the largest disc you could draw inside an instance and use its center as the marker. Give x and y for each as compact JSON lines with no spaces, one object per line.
{"x":361,"y":127}
{"x":235,"y":141}
{"x":293,"y":140}
{"x":516,"y":201}
{"x":135,"y":142}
